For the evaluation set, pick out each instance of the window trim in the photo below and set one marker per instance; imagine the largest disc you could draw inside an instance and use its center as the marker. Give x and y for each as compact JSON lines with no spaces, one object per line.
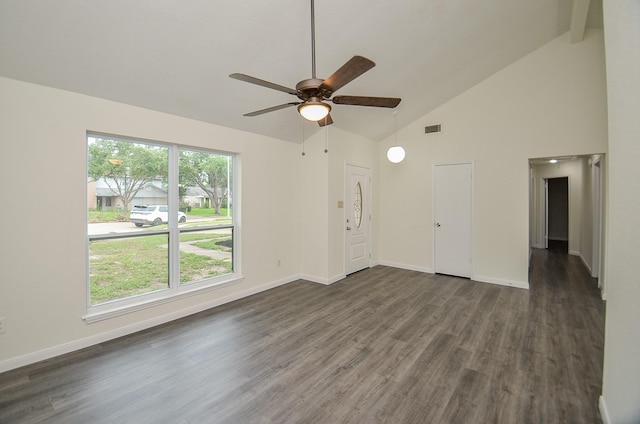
{"x":174,"y":291}
{"x":125,"y":306}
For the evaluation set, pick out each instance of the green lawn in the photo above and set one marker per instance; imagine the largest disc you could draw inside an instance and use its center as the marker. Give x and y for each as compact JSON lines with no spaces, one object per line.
{"x":106,"y":216}
{"x":121,"y":268}
{"x":206,"y":212}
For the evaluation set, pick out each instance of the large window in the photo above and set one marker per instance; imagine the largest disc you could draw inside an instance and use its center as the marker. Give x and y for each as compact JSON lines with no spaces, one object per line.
{"x":160,"y":219}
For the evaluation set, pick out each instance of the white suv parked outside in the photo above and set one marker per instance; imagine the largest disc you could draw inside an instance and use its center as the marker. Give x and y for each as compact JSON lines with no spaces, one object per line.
{"x":152,"y":215}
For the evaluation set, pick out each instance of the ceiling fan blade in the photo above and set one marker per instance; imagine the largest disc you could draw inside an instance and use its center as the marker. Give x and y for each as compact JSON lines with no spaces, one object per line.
{"x":271,"y":109}
{"x":263,"y":83}
{"x":326,"y":121}
{"x":351,"y":70}
{"x":389,"y":102}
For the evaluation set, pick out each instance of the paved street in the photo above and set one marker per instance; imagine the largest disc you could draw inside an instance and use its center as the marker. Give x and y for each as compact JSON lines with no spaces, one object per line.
{"x":113,"y":227}
{"x":127,"y":227}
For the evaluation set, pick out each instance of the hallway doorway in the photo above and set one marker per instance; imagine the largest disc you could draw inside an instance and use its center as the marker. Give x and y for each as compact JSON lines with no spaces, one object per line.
{"x":566,"y":197}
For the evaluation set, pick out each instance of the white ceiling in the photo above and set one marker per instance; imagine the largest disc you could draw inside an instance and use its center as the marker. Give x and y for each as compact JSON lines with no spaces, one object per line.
{"x":175,"y":55}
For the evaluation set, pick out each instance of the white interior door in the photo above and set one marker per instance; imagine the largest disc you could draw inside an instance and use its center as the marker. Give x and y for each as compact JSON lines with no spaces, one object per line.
{"x":357,"y":215}
{"x":452,"y":224}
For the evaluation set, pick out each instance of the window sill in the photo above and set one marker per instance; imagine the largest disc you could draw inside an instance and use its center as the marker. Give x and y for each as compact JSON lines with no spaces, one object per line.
{"x":115,"y":309}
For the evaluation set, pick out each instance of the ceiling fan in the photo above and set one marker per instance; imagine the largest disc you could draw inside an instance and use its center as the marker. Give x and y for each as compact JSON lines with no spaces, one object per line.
{"x":315,"y":92}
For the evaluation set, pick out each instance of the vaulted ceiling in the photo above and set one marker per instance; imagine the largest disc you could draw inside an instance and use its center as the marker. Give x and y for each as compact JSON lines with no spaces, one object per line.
{"x":175,"y":56}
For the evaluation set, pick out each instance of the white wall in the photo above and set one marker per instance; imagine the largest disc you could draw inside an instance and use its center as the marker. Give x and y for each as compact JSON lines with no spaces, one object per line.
{"x":551,"y":102}
{"x":322,"y":240}
{"x":314,"y":210}
{"x":621,"y":388}
{"x":43,"y":218}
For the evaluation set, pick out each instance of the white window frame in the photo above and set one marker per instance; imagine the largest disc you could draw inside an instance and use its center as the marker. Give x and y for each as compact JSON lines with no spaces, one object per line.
{"x":175,"y":291}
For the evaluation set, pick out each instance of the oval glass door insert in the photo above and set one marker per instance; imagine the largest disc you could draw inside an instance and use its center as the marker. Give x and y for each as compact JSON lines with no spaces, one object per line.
{"x":357,"y":205}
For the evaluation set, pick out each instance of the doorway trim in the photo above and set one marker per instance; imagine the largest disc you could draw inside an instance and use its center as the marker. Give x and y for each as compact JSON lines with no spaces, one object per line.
{"x":540,"y":211}
{"x":366,"y":218}
{"x":596,"y":187}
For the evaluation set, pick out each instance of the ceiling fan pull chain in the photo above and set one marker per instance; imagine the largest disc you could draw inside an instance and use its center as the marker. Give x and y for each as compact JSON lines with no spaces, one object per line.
{"x":302,"y":122}
{"x":326,"y":140}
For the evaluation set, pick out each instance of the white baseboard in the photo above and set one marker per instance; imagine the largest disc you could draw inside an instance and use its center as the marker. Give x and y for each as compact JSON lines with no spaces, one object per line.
{"x":604,"y":413}
{"x":336,"y":278}
{"x":501,"y":282}
{"x":406,"y":266}
{"x":584,"y":262}
{"x":322,"y":280}
{"x":479,"y":278}
{"x":41,"y":355}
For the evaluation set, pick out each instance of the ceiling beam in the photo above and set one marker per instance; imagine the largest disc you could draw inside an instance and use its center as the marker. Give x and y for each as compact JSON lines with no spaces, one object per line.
{"x":578,"y":20}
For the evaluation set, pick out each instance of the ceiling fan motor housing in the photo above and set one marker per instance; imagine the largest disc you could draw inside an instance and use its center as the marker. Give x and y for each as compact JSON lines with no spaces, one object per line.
{"x":309,"y":88}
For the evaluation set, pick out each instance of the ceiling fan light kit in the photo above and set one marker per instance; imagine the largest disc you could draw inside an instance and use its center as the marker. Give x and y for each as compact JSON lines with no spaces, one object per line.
{"x":314,"y":110}
{"x":314,"y":92}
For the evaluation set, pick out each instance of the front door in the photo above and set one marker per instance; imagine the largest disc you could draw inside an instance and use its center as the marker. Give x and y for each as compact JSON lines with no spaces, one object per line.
{"x":357,"y":218}
{"x":452,"y":224}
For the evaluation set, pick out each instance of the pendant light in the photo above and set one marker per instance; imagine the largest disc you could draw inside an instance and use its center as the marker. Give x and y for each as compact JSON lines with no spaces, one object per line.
{"x":396,"y":153}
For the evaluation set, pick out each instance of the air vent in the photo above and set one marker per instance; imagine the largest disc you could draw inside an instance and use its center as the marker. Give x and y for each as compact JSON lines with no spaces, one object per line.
{"x":432,"y":129}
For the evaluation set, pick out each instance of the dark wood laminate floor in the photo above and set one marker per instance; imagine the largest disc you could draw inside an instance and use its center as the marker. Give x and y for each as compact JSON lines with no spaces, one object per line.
{"x":383,"y":345}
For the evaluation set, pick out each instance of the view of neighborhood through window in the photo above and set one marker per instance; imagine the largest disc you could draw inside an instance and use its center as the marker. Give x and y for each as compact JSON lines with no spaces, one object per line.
{"x":151,"y":228}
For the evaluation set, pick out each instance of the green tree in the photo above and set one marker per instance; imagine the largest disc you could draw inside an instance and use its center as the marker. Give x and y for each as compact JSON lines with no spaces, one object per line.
{"x":126,"y":167}
{"x":209,"y":172}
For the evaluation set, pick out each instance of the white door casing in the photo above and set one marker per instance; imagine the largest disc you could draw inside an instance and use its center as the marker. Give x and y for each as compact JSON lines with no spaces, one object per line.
{"x":357,"y":218}
{"x":597,"y":219}
{"x":546,"y":213}
{"x":452,"y":226}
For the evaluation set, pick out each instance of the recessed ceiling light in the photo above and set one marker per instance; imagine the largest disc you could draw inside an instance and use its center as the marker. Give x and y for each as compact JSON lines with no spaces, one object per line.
{"x":553,"y":161}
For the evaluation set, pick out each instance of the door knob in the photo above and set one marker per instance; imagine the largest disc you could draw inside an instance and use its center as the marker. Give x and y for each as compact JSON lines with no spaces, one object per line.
{"x":348,"y":228}
{"x":437,"y":224}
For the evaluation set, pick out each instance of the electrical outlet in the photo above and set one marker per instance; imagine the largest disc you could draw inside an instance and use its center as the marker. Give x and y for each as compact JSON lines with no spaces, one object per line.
{"x":3,"y":325}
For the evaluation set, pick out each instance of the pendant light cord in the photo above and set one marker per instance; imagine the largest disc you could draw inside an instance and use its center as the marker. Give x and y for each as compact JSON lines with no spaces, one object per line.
{"x":395,"y":127}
